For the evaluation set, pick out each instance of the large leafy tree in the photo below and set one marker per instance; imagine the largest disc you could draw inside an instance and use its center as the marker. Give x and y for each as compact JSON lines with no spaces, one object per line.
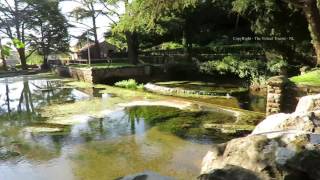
{"x":14,"y":17}
{"x":50,"y":33}
{"x":129,"y":33}
{"x":284,"y":18}
{"x":89,"y":10}
{"x":142,"y":17}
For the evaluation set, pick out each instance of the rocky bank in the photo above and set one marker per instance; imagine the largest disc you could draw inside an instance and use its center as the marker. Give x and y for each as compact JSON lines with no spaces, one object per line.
{"x":283,"y":146}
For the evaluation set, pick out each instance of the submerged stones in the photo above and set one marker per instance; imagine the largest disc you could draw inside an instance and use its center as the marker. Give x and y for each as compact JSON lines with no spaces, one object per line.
{"x":145,"y":176}
{"x":283,"y":146}
{"x":6,"y":153}
{"x":173,"y":104}
{"x":43,"y":130}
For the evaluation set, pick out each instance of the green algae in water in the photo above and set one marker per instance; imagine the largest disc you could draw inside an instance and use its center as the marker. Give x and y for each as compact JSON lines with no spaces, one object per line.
{"x":187,"y":124}
{"x":120,"y":143}
{"x":204,"y":86}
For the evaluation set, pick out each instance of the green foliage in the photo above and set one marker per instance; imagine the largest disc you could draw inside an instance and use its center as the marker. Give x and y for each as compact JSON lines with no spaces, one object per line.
{"x":153,"y":10}
{"x":170,"y":45}
{"x":278,"y":19}
{"x":5,"y":50}
{"x":232,"y":64}
{"x":50,"y":28}
{"x":310,"y":78}
{"x":117,"y":39}
{"x":18,"y":44}
{"x":275,"y":63}
{"x":129,"y":84}
{"x":250,"y":69}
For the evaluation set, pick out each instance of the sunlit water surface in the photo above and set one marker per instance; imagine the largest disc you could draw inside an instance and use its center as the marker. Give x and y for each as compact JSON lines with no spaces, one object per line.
{"x":118,"y":144}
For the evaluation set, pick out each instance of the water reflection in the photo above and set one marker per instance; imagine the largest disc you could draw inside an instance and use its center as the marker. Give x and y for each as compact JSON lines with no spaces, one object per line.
{"x":29,"y":94}
{"x":123,"y":142}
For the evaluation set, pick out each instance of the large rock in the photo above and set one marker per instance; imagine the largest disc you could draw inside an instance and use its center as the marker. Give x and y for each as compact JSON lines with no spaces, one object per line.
{"x":306,"y":122}
{"x":283,"y":146}
{"x":305,"y":118}
{"x":308,"y":104}
{"x":284,"y":156}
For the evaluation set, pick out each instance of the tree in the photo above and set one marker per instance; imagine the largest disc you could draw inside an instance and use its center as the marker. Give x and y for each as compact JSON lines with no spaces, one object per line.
{"x":4,"y":52}
{"x":14,"y":16}
{"x":283,"y":18}
{"x":134,"y":21}
{"x":50,"y":33}
{"x":130,"y":35}
{"x":312,"y":14}
{"x":89,"y":10}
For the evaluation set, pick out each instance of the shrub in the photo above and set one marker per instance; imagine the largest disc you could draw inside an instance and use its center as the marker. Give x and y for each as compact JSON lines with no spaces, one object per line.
{"x":275,"y":63}
{"x":171,"y":45}
{"x":129,"y":84}
{"x":253,"y":69}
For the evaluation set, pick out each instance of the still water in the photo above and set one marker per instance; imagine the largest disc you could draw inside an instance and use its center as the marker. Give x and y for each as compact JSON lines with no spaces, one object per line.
{"x":38,"y":141}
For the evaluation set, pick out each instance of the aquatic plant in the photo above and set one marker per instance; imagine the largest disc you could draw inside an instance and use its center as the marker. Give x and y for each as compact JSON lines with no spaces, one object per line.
{"x":129,"y":84}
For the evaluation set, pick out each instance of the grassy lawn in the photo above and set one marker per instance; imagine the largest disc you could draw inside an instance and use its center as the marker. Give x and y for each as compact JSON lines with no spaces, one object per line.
{"x":103,"y":65}
{"x":310,"y":78}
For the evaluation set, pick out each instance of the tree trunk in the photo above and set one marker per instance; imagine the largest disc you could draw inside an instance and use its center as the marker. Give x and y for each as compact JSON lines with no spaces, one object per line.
{"x":23,"y":59}
{"x":4,"y":63}
{"x":45,"y":63}
{"x":186,"y":44}
{"x":313,"y":17}
{"x":97,"y":49}
{"x":133,"y":46}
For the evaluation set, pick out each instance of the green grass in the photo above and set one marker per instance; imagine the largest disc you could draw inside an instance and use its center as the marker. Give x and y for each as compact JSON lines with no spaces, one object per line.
{"x":35,"y":59}
{"x":103,"y":65}
{"x":310,"y":78}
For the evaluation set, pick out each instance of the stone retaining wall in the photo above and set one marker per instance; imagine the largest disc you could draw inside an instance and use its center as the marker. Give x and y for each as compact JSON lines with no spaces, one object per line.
{"x":275,"y":96}
{"x":102,"y":75}
{"x":284,"y":95}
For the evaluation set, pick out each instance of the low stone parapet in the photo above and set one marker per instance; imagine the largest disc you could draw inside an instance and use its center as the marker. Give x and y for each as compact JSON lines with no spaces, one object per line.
{"x":102,"y":75}
{"x":276,"y":86}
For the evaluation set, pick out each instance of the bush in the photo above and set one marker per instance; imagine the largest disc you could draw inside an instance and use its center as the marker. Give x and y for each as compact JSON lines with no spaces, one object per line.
{"x":253,"y":69}
{"x":275,"y":63}
{"x":129,"y":84}
{"x":171,"y":45}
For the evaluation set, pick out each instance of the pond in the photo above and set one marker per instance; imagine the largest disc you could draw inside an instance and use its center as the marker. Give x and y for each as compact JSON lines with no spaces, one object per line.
{"x":50,"y":130}
{"x":240,"y":97}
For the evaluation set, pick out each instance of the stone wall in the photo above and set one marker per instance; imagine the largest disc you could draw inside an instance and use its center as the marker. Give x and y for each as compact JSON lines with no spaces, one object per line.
{"x":102,"y":75}
{"x":275,"y":98}
{"x":284,"y":95}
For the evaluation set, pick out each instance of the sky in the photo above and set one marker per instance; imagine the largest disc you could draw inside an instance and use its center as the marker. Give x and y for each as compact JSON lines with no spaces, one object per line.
{"x":103,"y":23}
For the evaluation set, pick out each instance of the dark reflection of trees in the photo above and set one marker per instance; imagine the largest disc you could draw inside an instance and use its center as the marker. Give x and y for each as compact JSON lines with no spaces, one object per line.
{"x":251,"y":102}
{"x":17,"y":112}
{"x":8,"y":98}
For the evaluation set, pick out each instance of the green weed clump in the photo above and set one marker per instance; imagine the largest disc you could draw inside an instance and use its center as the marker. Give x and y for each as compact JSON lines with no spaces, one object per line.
{"x":309,"y":78}
{"x":129,"y":84}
